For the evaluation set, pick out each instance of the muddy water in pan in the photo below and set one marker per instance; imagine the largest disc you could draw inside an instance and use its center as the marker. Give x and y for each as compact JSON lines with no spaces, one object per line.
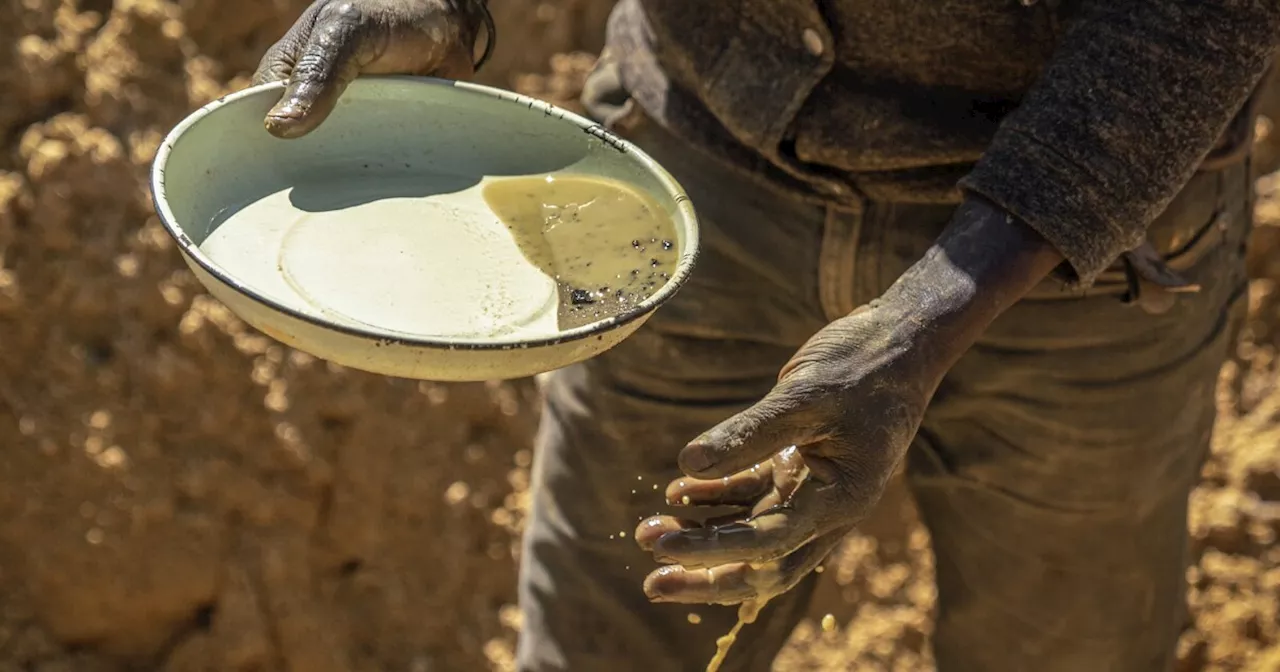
{"x":608,"y":246}
{"x":435,"y":255}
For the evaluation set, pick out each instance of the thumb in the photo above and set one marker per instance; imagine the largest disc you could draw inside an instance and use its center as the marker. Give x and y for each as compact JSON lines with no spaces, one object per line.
{"x":782,"y":419}
{"x":326,"y":63}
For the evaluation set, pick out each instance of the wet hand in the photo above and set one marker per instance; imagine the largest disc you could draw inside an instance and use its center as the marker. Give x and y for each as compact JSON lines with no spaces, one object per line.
{"x":850,"y":402}
{"x":334,"y":41}
{"x":806,"y":463}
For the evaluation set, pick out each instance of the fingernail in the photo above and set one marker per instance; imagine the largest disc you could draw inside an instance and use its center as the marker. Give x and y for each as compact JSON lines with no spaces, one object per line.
{"x":656,"y":596}
{"x":285,"y":130}
{"x":284,"y":113}
{"x":291,"y":106}
{"x":650,"y":586}
{"x":695,"y":457}
{"x":283,"y":119}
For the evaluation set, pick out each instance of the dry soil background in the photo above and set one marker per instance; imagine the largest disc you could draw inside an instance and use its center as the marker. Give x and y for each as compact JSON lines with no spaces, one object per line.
{"x":179,"y":493}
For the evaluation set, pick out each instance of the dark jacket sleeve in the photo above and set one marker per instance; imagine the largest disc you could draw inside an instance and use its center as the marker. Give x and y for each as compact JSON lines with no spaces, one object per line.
{"x":1134,"y":98}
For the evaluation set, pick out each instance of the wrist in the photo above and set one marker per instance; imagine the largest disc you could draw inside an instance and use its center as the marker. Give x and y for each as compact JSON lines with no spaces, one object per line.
{"x":982,"y":263}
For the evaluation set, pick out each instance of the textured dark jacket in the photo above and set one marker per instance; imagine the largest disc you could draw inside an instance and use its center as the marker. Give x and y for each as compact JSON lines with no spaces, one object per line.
{"x":1082,"y":117}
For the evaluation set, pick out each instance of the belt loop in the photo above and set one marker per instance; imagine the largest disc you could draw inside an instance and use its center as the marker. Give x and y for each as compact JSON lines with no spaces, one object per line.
{"x":837,"y":260}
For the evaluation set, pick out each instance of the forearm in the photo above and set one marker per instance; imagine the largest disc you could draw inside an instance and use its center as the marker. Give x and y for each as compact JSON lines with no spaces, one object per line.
{"x":1136,"y":95}
{"x":984,"y":262}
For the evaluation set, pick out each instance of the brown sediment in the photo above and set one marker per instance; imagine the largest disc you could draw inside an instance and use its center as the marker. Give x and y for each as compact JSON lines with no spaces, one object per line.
{"x":606,"y":245}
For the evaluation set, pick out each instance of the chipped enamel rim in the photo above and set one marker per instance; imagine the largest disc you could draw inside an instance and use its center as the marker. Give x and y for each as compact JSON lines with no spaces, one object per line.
{"x":686,"y":221}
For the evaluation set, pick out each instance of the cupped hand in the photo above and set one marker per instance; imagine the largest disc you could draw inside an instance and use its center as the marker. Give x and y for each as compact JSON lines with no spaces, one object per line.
{"x":334,"y":41}
{"x":806,"y":463}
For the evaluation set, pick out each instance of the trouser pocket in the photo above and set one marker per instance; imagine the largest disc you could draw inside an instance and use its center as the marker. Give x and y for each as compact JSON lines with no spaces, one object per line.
{"x":1198,"y":237}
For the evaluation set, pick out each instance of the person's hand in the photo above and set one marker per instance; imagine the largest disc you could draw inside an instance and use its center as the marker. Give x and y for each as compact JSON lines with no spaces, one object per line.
{"x":846,"y":406}
{"x":336,"y":40}
{"x":810,"y":459}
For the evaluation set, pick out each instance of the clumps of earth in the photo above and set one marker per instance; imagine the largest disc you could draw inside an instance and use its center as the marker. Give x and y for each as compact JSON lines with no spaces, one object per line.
{"x":180,"y":493}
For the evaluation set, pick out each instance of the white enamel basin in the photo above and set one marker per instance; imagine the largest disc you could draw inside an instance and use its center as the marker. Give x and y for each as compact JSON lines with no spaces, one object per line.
{"x":400,"y":135}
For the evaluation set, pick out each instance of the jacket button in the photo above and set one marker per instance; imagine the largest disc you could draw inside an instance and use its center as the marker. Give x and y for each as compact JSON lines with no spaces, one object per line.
{"x":813,"y":42}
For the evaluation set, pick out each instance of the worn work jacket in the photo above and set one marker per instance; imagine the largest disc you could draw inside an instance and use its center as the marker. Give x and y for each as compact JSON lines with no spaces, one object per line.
{"x":1082,"y":117}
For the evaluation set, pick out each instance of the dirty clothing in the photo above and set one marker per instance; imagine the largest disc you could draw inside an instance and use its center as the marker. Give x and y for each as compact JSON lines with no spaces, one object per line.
{"x":1081,"y":117}
{"x":825,"y":144}
{"x":1052,"y":468}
